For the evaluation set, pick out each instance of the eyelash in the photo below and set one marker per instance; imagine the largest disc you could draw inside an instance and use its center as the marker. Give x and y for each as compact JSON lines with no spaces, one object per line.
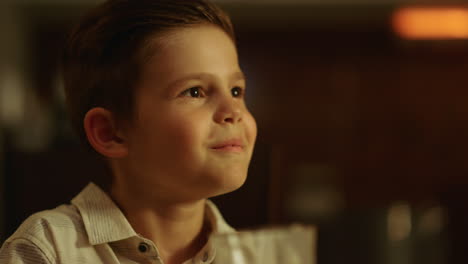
{"x":188,"y":92}
{"x":197,"y":92}
{"x":240,"y":92}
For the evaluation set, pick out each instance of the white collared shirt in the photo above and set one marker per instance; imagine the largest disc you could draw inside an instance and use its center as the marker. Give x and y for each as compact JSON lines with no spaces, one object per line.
{"x":92,"y":229}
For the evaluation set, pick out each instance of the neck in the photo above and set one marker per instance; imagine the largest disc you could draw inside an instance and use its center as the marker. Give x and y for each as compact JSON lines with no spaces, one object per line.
{"x":177,"y":229}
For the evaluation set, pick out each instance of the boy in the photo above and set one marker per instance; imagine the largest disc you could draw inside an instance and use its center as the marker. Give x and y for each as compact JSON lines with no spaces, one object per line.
{"x":155,"y":88}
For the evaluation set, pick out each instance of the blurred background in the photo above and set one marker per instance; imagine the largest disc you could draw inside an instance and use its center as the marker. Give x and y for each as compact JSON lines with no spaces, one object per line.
{"x":362,"y":109}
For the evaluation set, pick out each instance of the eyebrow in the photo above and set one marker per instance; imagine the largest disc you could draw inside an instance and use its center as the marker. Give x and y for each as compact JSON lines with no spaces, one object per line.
{"x":236,"y":76}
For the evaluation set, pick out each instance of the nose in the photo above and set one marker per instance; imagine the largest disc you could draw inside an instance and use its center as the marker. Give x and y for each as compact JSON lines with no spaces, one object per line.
{"x":228,"y":112}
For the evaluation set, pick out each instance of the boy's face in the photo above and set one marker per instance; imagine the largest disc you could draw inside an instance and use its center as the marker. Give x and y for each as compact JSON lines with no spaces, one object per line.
{"x":193,"y":136}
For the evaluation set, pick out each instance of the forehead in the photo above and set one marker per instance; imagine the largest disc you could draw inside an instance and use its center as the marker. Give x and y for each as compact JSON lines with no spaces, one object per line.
{"x":161,"y":42}
{"x":188,"y":50}
{"x":193,"y":38}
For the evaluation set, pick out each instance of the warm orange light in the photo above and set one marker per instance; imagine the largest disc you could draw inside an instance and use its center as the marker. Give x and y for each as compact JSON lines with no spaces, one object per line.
{"x":431,"y":23}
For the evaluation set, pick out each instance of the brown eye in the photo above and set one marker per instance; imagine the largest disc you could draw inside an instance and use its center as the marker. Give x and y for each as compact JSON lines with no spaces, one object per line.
{"x":236,"y":92}
{"x":192,"y":92}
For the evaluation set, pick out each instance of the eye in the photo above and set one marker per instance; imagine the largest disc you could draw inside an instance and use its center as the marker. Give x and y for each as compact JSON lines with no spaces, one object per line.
{"x":237,"y":92}
{"x":194,"y":92}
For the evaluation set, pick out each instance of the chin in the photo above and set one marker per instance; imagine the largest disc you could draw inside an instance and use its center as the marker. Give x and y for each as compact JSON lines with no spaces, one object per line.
{"x":228,"y":182}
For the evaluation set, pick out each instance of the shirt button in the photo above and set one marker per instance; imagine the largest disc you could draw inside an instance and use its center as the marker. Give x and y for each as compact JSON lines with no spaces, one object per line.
{"x":205,"y":257}
{"x":143,"y":247}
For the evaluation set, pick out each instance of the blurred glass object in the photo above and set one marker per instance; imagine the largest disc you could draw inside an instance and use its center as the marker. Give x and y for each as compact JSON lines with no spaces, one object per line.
{"x":12,"y":98}
{"x":431,"y":23}
{"x":25,"y":118}
{"x":430,"y":227}
{"x":399,"y":221}
{"x":432,"y":220}
{"x":291,"y":245}
{"x":398,"y":231}
{"x":416,"y":234}
{"x":5,"y":50}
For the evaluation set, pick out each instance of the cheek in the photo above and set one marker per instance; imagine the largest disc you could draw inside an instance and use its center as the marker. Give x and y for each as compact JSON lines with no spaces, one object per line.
{"x":251,"y":127}
{"x":182,"y":132}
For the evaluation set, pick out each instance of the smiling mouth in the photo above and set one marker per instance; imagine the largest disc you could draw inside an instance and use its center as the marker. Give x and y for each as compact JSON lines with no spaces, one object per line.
{"x":233,"y":145}
{"x":229,"y":148}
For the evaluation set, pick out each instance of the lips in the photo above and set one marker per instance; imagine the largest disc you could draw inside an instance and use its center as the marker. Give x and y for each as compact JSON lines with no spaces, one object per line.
{"x":231,"y":145}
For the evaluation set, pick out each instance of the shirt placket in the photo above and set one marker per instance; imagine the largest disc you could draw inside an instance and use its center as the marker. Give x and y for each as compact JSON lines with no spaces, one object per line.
{"x":148,"y":251}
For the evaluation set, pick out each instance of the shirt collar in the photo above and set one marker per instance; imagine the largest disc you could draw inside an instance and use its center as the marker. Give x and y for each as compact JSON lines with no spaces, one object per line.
{"x":103,"y":220}
{"x":218,"y":226}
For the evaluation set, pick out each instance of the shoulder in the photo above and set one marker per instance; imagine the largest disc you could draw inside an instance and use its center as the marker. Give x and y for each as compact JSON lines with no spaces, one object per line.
{"x":45,"y":234}
{"x":63,"y":220}
{"x":20,"y":250}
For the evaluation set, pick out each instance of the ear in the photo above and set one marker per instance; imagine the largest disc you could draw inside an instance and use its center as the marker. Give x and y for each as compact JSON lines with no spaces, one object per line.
{"x":102,"y":133}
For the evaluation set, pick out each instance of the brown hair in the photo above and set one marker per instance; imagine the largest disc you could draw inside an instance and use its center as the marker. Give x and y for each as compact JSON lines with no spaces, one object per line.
{"x":106,"y":52}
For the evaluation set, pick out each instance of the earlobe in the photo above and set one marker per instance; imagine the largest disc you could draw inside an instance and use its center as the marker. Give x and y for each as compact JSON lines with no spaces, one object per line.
{"x":101,"y":131}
